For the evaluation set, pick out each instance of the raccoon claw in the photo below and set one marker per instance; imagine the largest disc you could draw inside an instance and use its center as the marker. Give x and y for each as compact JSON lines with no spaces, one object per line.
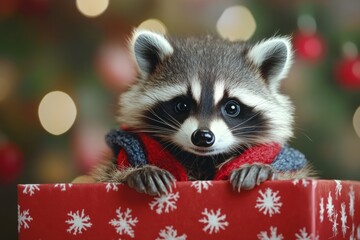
{"x":250,"y":175}
{"x":151,"y":180}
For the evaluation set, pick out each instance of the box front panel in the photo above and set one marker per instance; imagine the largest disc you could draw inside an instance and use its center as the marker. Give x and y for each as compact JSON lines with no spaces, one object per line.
{"x":193,"y":210}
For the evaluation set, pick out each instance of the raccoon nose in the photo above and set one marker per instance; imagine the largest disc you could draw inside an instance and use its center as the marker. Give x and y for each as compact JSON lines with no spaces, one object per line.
{"x":203,"y":138}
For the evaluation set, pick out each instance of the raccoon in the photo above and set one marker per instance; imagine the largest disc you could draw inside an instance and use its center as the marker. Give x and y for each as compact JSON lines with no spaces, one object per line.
{"x":206,"y":100}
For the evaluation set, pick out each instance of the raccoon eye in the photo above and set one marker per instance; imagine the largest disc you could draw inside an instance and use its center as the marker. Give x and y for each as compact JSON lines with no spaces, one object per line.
{"x":231,"y":108}
{"x":182,"y":106}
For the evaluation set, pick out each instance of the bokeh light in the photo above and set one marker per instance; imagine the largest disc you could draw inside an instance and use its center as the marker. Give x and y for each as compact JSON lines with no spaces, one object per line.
{"x":53,"y":166}
{"x":57,"y":112}
{"x":92,"y":8}
{"x":307,"y":24}
{"x":7,"y":79}
{"x":349,"y":50}
{"x":236,"y":23}
{"x":115,"y":67}
{"x":89,"y":146}
{"x":356,"y":121}
{"x":153,"y":25}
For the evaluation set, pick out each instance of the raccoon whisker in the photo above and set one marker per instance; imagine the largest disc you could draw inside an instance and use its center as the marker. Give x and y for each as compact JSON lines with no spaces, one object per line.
{"x":250,"y":141}
{"x":173,"y":120}
{"x":157,"y":130}
{"x":158,"y":119}
{"x":238,"y":125}
{"x":302,"y":131}
{"x":169,"y":145}
{"x":161,"y":119}
{"x":224,"y":159}
{"x":249,"y":136}
{"x":235,"y":150}
{"x":248,"y":130}
{"x":176,"y":122}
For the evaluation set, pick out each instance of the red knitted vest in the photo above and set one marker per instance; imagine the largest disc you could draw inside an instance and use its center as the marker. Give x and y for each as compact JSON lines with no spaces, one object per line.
{"x":160,"y":157}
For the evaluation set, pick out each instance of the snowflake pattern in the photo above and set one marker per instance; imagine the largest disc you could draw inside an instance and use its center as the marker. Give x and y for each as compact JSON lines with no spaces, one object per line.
{"x":112,"y":186}
{"x":23,"y":219}
{"x":201,"y":185}
{"x":321,"y":210}
{"x":30,"y":189}
{"x":351,"y":202}
{"x":352,"y":234}
{"x":332,"y":214}
{"x":78,"y":222}
{"x":343,"y":219}
{"x":62,"y":186}
{"x":164,"y":203}
{"x":303,"y":181}
{"x":338,"y":188}
{"x":169,"y":233}
{"x":335,"y":224}
{"x":124,"y":222}
{"x":214,"y":221}
{"x":330,"y":207}
{"x":303,"y":235}
{"x":268,"y":202}
{"x":273,"y":235}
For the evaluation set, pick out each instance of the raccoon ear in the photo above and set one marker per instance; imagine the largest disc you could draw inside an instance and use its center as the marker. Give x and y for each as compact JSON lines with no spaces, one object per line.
{"x":274,"y":59}
{"x":149,"y":49}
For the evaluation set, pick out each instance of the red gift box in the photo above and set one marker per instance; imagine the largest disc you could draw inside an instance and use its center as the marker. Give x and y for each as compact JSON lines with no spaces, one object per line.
{"x":299,"y":209}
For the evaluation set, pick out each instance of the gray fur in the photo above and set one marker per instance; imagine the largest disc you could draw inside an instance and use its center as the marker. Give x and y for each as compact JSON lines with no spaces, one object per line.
{"x":250,"y":175}
{"x":209,"y":59}
{"x":169,"y":69}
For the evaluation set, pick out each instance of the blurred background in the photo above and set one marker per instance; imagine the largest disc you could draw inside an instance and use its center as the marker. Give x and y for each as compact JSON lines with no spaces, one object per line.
{"x":64,"y":63}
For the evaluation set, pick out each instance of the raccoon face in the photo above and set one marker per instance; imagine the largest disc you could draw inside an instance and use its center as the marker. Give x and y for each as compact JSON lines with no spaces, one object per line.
{"x":209,"y":96}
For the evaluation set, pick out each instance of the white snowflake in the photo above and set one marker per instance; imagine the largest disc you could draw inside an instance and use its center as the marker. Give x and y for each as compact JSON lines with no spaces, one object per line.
{"x":78,"y":222}
{"x":112,"y":186}
{"x":124,"y":222}
{"x":303,"y":235}
{"x":30,"y":189}
{"x":351,"y":202}
{"x":214,"y":221}
{"x":330,"y":207}
{"x":268,"y":202}
{"x":314,"y":184}
{"x":23,"y":219}
{"x":164,"y":203}
{"x":62,"y":186}
{"x":322,"y":210}
{"x":304,"y":182}
{"x":335,"y":224}
{"x":201,"y":185}
{"x":169,"y":233}
{"x":296,"y":181}
{"x":273,"y":235}
{"x":343,"y":219}
{"x":338,"y":188}
{"x":352,"y":234}
{"x":332,"y":214}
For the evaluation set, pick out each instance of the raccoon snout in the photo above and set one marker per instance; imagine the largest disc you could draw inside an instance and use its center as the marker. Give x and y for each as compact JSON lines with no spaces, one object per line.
{"x":203,"y":138}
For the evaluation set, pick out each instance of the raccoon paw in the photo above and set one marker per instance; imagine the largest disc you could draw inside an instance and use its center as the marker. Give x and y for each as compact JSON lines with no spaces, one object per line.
{"x":250,"y":175}
{"x":151,"y":180}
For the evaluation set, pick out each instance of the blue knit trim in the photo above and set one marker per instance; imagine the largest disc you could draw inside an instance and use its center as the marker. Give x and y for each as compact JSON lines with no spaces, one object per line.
{"x":117,"y":139}
{"x":289,"y":159}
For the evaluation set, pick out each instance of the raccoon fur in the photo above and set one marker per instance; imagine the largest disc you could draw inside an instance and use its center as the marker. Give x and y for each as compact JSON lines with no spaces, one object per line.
{"x":206,"y":100}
